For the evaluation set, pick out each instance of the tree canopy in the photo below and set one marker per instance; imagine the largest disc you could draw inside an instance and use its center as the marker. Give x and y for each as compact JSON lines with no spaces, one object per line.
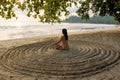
{"x":52,"y":10}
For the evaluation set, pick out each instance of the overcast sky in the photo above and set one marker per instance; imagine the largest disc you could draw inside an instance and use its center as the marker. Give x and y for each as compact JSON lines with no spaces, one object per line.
{"x":23,"y":17}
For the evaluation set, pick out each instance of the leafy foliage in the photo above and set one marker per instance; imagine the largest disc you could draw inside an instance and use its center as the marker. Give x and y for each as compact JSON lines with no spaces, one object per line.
{"x":101,"y":7}
{"x":6,"y":7}
{"x":51,"y":10}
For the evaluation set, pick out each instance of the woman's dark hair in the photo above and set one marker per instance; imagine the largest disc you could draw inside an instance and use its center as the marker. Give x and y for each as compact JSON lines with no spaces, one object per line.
{"x":64,"y":31}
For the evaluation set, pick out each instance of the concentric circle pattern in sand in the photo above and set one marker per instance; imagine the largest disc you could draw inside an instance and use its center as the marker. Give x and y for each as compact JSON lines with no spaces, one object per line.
{"x":38,"y":59}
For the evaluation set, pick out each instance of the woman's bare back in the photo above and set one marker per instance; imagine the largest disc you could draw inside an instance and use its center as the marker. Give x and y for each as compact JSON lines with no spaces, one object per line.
{"x":62,"y":44}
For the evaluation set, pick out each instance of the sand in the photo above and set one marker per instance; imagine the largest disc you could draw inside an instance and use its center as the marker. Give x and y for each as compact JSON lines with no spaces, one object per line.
{"x":92,"y":56}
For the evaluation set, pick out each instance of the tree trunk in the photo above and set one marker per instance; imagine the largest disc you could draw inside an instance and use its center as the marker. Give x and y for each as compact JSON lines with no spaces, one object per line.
{"x":116,"y":14}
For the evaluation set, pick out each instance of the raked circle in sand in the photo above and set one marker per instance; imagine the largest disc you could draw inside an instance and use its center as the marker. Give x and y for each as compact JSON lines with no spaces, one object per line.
{"x":38,"y":59}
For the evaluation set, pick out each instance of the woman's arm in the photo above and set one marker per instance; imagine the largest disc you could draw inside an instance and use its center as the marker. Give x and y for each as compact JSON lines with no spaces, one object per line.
{"x":59,"y":40}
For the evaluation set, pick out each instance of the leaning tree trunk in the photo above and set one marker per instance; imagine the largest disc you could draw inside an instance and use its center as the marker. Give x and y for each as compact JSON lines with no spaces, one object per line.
{"x":114,"y":9}
{"x":116,"y":14}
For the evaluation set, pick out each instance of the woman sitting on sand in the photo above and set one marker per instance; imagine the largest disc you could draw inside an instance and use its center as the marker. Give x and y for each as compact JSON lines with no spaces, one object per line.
{"x":62,"y":44}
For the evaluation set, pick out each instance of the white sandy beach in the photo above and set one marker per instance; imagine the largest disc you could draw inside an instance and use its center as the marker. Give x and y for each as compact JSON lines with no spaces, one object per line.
{"x":33,"y":59}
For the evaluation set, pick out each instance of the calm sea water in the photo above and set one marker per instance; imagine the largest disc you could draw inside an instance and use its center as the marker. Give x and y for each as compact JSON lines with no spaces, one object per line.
{"x":24,"y":30}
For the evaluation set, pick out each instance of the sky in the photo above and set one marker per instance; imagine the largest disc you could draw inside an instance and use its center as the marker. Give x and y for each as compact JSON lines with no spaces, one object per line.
{"x":22,"y":17}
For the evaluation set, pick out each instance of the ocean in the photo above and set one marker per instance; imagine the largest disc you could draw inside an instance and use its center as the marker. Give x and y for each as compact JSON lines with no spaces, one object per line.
{"x":13,"y":30}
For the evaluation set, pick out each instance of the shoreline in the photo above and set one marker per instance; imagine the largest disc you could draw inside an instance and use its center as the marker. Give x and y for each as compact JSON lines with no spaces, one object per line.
{"x":41,"y":38}
{"x":44,"y":30}
{"x":59,"y":34}
{"x":89,"y":36}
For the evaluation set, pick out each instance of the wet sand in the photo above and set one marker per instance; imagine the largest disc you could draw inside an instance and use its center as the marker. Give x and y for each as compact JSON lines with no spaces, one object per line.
{"x":92,"y":56}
